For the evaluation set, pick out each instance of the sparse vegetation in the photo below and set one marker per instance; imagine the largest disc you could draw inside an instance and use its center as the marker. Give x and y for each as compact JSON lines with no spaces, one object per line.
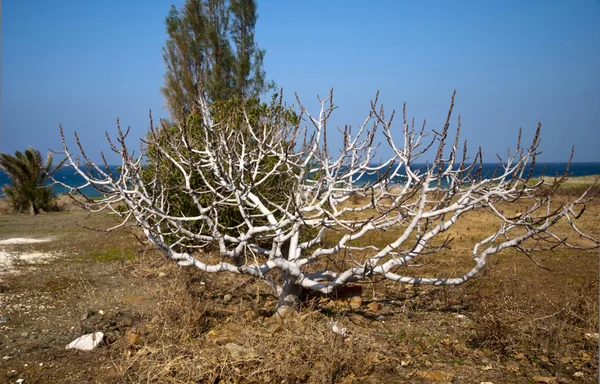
{"x":167,"y":324}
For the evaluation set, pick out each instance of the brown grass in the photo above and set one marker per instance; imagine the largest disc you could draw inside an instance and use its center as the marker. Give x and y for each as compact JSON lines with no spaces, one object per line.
{"x":514,"y":322}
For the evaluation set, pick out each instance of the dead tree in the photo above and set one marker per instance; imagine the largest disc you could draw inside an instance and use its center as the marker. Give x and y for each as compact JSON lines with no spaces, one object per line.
{"x":281,"y":240}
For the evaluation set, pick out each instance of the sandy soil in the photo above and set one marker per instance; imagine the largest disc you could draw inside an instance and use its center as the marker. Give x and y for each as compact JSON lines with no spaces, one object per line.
{"x":11,"y":256}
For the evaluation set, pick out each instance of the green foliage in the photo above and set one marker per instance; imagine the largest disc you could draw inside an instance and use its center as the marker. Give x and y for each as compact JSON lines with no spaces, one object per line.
{"x":211,"y":49}
{"x":233,"y":114}
{"x":29,"y":175}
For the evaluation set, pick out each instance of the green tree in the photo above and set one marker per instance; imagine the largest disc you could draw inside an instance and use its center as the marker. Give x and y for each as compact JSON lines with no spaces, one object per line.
{"x":29,"y":175}
{"x":211,"y":49}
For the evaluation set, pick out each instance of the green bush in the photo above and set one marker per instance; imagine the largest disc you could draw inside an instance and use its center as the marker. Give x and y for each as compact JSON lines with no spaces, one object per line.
{"x":163,"y":175}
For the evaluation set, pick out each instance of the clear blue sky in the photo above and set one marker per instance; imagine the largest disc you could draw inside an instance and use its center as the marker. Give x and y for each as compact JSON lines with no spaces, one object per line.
{"x":513,"y":63}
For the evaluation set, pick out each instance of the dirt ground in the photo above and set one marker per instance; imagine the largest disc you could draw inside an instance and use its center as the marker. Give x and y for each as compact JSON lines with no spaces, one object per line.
{"x":516,"y":323}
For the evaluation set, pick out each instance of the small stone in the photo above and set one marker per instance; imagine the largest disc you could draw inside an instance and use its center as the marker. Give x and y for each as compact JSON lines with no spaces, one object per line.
{"x":578,"y":374}
{"x":101,"y":312}
{"x":486,"y":382}
{"x":161,"y":274}
{"x":591,"y":336}
{"x":20,"y":380}
{"x":132,"y":338}
{"x":6,"y":357}
{"x":461,"y":317}
{"x":227,"y":298}
{"x":374,"y":307}
{"x":86,"y":342}
{"x":355,"y":302}
{"x":339,"y":330}
{"x":24,"y":334}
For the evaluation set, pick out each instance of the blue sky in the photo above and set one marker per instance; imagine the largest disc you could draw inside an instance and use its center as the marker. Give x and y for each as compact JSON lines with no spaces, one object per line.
{"x":513,"y":63}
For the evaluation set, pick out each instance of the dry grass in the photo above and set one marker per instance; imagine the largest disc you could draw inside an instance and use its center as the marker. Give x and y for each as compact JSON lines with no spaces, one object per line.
{"x":514,"y":322}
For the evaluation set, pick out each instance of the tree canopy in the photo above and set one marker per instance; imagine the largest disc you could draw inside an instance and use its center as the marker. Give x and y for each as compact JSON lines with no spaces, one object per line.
{"x":211,"y":49}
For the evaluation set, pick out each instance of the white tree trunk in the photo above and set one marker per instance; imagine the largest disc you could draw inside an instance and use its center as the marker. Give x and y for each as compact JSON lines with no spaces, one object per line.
{"x":227,"y":167}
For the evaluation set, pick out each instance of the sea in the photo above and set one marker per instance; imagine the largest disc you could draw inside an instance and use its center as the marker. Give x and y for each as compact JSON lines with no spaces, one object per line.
{"x":69,"y":177}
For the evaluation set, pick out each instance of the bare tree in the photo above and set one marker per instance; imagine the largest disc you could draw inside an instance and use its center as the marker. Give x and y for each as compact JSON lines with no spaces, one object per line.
{"x":282,"y":241}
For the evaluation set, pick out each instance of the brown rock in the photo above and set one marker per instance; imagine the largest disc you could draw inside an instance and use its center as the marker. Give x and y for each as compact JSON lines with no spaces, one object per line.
{"x":374,"y":306}
{"x":355,"y":302}
{"x":132,"y":338}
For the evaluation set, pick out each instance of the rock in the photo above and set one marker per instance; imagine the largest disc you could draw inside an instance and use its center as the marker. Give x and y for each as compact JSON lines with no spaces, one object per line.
{"x":436,"y":375}
{"x":544,"y":379}
{"x":227,"y":298}
{"x":486,"y":382}
{"x":6,"y":357}
{"x":374,"y":307}
{"x":86,"y":342}
{"x":578,"y":374}
{"x":355,"y":302}
{"x":591,"y":336}
{"x":132,"y":338}
{"x":339,"y":330}
{"x":24,"y":334}
{"x":461,"y":317}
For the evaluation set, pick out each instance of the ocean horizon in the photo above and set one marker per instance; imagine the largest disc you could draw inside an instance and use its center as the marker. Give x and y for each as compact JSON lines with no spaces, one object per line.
{"x":67,"y":175}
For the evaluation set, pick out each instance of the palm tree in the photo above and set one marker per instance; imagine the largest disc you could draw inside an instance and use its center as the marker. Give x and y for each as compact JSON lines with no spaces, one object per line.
{"x":29,"y":176}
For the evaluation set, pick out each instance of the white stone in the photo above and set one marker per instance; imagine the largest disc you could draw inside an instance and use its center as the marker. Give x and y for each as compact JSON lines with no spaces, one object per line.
{"x":339,"y":330}
{"x":86,"y":342}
